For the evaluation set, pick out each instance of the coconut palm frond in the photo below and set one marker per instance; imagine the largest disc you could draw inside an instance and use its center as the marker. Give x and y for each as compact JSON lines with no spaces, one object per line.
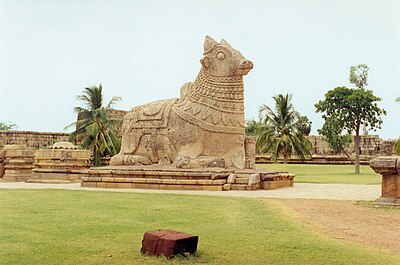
{"x":95,"y":130}
{"x":279,"y":133}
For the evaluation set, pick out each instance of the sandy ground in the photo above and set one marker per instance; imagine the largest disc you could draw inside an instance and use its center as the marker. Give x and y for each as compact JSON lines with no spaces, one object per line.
{"x":351,"y":221}
{"x":299,"y":191}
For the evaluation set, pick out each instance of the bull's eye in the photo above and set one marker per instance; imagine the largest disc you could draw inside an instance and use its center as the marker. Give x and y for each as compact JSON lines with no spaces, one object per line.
{"x":220,"y":56}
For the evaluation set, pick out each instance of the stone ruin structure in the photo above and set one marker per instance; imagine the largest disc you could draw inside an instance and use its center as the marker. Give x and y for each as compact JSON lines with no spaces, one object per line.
{"x":31,"y":139}
{"x":17,"y":162}
{"x":62,"y":162}
{"x":389,"y":168}
{"x":371,"y":145}
{"x":196,"y":141}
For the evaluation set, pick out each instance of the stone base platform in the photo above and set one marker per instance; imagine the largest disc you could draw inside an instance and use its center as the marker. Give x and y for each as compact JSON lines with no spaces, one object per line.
{"x":169,"y":178}
{"x":390,"y":202}
{"x":50,"y":181}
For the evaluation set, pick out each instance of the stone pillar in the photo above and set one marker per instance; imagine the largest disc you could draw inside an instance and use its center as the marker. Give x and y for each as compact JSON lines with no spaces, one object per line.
{"x":250,"y":152}
{"x":389,"y":168}
{"x":18,"y":163}
{"x":2,"y":158}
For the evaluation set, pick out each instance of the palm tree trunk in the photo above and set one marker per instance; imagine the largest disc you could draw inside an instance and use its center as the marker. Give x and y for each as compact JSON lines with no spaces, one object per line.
{"x":96,"y":157}
{"x":284,"y":156}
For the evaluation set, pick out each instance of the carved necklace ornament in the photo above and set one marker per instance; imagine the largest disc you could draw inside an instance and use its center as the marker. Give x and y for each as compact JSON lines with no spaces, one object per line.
{"x":214,"y":104}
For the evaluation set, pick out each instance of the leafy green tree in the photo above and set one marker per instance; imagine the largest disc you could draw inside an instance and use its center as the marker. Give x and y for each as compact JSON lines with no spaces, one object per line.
{"x":304,"y":125}
{"x":334,"y":136}
{"x":279,"y":132}
{"x":398,"y":99}
{"x":352,"y":108}
{"x":7,"y":126}
{"x":251,"y":127}
{"x":95,"y":129}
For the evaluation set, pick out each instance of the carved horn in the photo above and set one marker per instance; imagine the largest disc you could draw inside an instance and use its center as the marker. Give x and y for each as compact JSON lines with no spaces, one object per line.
{"x":209,"y":43}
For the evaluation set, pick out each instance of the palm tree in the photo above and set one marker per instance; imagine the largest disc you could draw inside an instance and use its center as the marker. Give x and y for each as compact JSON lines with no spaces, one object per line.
{"x":95,"y":129}
{"x":279,"y":133}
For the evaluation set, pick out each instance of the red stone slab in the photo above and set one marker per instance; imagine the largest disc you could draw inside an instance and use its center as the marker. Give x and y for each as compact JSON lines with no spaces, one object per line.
{"x":168,"y":243}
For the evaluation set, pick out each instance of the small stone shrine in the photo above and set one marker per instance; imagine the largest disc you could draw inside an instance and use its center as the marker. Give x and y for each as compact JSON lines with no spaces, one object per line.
{"x":196,"y":141}
{"x":389,"y":168}
{"x":18,"y":162}
{"x":62,"y":162}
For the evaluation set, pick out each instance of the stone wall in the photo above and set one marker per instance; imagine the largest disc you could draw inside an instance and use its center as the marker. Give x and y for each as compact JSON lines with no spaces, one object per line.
{"x":32,"y":139}
{"x":371,"y":145}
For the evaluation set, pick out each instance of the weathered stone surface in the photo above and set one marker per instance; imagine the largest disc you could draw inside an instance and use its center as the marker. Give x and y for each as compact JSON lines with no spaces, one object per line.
{"x":31,"y":139}
{"x":63,"y":161}
{"x":385,"y":165}
{"x":254,"y":179}
{"x":18,"y":162}
{"x":200,"y":179}
{"x":370,"y":145}
{"x":231,"y":178}
{"x":203,"y":128}
{"x":250,"y":152}
{"x":389,"y":168}
{"x":2,"y":159}
{"x":64,"y":145}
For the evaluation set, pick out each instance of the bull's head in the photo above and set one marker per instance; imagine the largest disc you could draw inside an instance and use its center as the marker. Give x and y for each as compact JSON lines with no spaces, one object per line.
{"x":220,"y":59}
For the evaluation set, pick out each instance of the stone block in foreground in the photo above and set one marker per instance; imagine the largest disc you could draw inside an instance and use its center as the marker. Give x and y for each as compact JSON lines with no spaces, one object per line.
{"x":168,"y":243}
{"x":389,"y":168}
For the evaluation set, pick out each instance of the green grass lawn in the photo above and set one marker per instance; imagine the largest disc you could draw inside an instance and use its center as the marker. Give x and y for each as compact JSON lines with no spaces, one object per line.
{"x":344,"y":174}
{"x":92,"y":227}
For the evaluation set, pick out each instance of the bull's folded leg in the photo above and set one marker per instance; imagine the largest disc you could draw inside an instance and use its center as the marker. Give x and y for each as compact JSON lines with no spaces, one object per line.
{"x":122,"y":159}
{"x":199,"y":162}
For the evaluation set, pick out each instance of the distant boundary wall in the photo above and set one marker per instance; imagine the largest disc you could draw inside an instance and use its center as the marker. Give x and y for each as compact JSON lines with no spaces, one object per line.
{"x":370,"y":145}
{"x":32,"y":139}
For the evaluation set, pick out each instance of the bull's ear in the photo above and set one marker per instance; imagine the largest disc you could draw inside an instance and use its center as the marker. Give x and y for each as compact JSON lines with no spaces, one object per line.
{"x":205,"y":62}
{"x":224,"y":42}
{"x":209,"y":43}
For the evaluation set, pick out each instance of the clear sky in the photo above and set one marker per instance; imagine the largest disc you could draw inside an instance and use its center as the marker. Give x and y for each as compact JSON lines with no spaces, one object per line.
{"x":145,"y":50}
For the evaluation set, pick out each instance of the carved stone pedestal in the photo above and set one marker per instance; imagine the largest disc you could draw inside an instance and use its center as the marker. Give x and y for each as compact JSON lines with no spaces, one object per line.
{"x":169,"y":178}
{"x":63,"y":162}
{"x":389,"y":168}
{"x":18,"y":163}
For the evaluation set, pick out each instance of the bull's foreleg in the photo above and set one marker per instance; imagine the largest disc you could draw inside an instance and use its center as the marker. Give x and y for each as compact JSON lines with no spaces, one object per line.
{"x":121,"y":159}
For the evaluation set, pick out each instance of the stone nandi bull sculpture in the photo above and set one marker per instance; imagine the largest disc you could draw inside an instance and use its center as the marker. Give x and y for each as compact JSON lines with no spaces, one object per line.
{"x":203,"y":128}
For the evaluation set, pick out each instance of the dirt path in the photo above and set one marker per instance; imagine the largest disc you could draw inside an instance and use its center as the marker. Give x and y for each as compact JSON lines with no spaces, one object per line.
{"x":351,"y":222}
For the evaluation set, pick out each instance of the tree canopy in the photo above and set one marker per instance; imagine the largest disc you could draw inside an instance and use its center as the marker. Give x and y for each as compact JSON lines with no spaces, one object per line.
{"x":352,"y":108}
{"x":359,"y":75}
{"x":334,"y":136}
{"x":7,"y":126}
